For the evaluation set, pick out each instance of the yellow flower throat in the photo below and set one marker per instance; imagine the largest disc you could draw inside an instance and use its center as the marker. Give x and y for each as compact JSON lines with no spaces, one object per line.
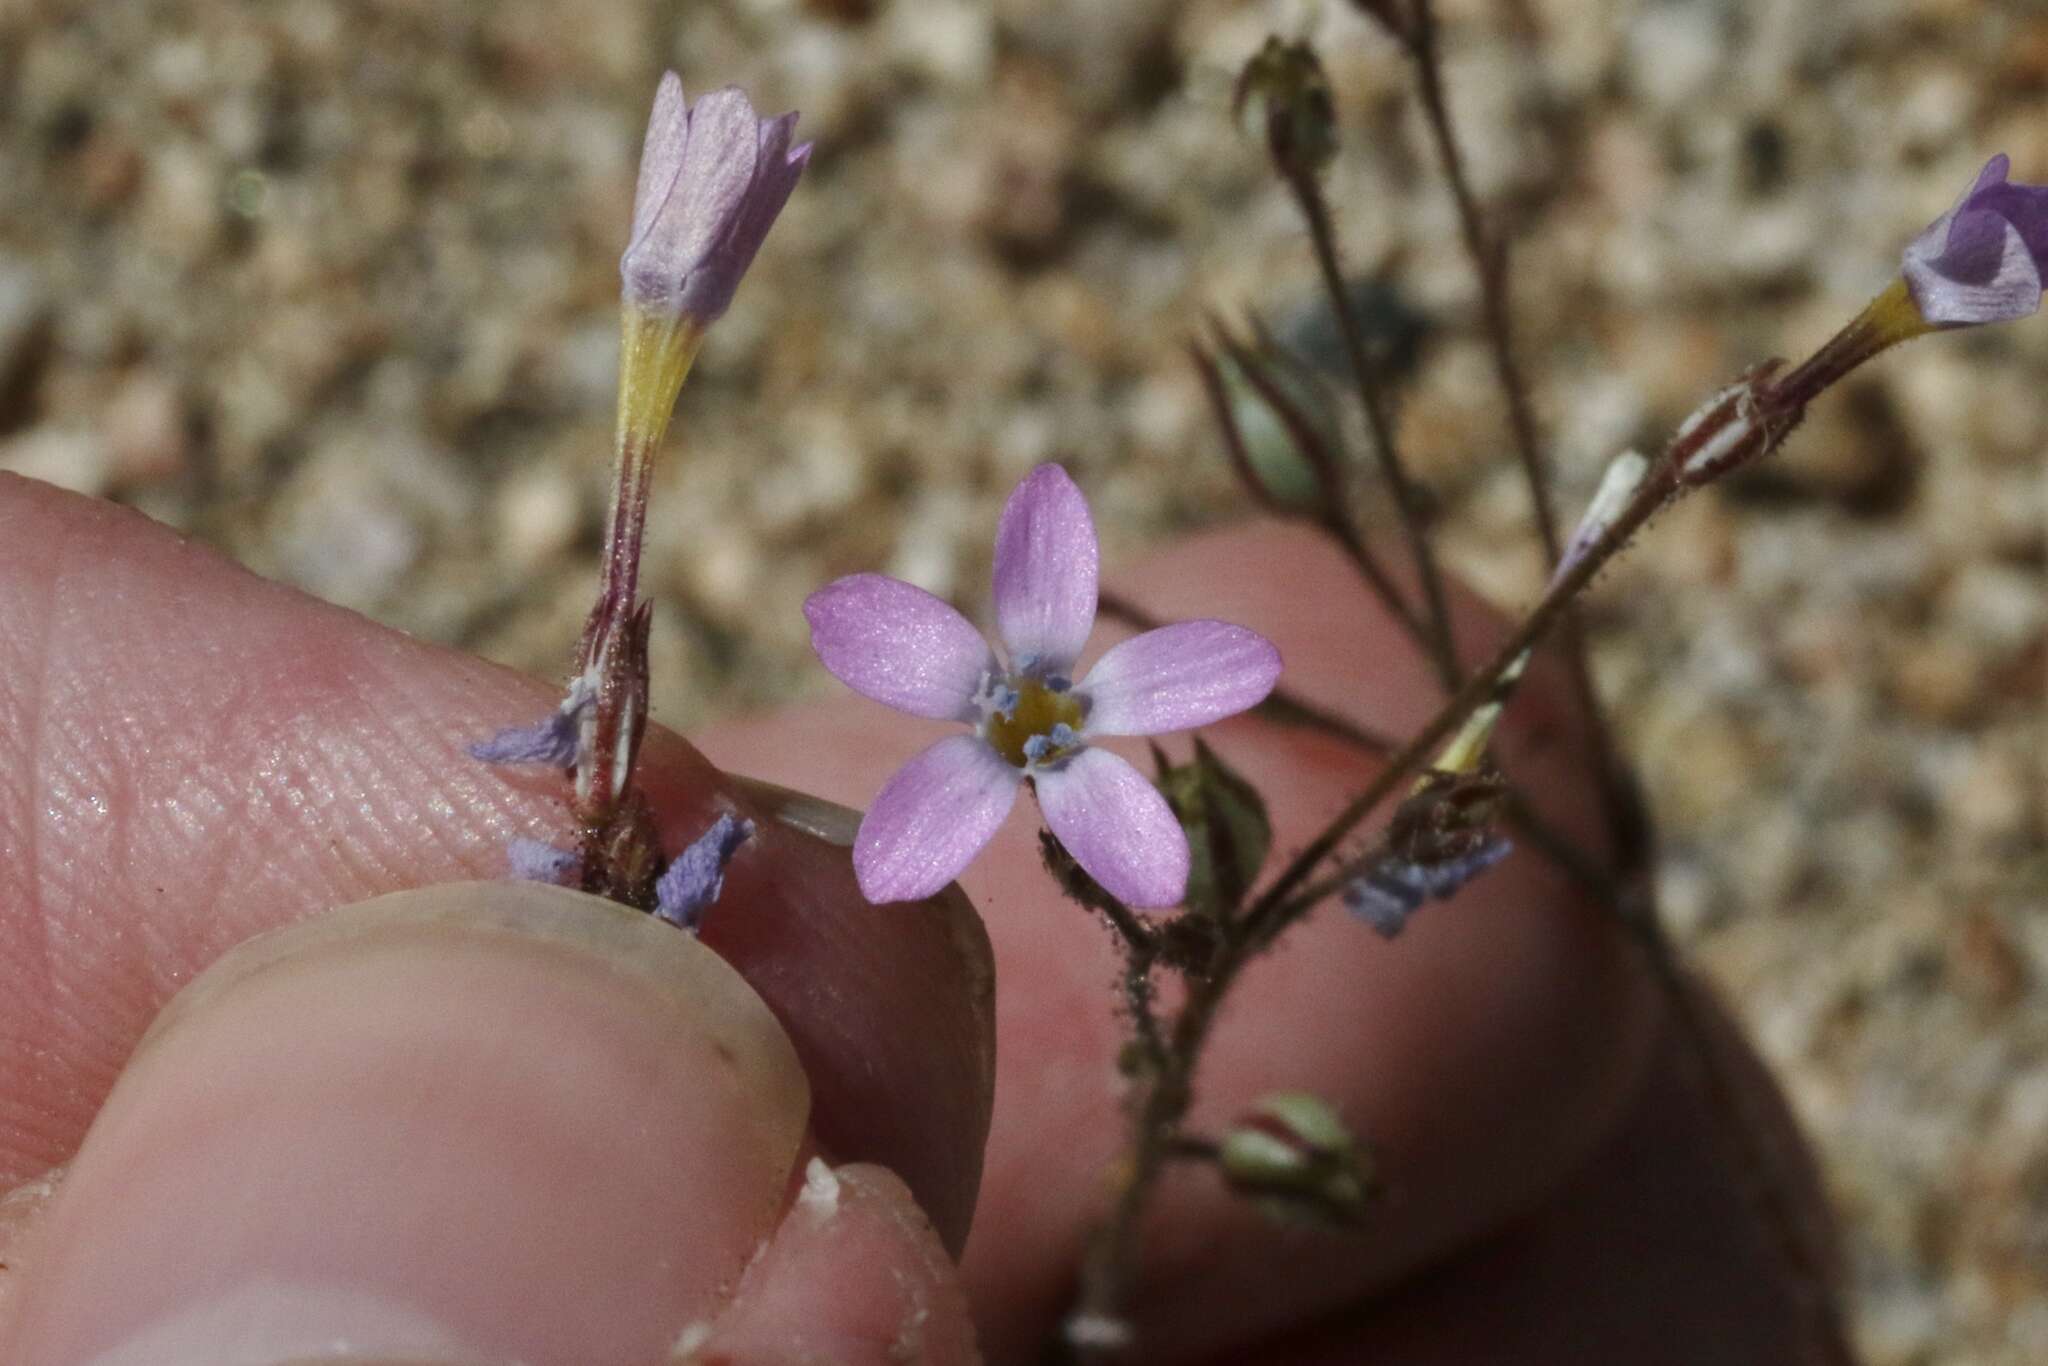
{"x":1038,"y":710}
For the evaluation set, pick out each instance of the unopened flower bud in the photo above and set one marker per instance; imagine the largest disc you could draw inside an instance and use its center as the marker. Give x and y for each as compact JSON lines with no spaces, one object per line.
{"x":1283,"y":94}
{"x":713,"y":176}
{"x":1292,"y":1155}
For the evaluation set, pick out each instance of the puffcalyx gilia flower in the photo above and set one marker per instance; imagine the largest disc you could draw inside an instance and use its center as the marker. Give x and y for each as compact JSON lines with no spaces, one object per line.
{"x":1029,"y":720}
{"x":713,"y":176}
{"x":1981,"y":262}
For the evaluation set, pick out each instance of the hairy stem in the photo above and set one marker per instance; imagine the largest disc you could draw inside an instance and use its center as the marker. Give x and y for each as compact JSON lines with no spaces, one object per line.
{"x":1159,"y":1105}
{"x":1161,"y":1099}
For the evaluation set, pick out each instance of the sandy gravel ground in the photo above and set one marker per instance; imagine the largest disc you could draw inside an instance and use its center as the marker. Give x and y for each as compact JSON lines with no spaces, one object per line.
{"x":332,"y":285}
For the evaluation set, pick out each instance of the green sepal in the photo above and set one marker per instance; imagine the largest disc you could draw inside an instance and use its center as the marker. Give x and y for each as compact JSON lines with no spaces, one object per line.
{"x":1228,"y":830}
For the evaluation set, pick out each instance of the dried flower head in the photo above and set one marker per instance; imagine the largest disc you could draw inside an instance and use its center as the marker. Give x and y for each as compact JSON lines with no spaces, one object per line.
{"x":1981,"y":261}
{"x":532,"y":860}
{"x":555,"y":740}
{"x":905,"y":648}
{"x":713,"y":176}
{"x":695,"y":877}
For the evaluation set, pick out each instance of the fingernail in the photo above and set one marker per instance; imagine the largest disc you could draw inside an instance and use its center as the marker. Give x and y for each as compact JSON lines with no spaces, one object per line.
{"x":829,"y":821}
{"x":470,"y":1123}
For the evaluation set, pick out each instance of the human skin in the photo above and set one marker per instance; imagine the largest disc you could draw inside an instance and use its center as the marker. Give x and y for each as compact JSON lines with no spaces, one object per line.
{"x":488,"y":1123}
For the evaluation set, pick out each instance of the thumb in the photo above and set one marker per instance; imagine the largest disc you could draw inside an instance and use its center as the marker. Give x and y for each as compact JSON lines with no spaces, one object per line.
{"x":467,"y":1123}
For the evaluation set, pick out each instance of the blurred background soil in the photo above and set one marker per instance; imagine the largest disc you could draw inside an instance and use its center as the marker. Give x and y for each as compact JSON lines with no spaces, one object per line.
{"x":332,"y":286}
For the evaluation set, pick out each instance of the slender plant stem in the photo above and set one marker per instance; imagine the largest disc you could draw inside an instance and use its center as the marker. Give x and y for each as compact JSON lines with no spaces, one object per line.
{"x":1333,"y":516}
{"x":1322,"y":235}
{"x":1627,"y":818}
{"x":1489,"y":264}
{"x":1162,"y":1097}
{"x":1110,"y":1266}
{"x":1477,"y":689}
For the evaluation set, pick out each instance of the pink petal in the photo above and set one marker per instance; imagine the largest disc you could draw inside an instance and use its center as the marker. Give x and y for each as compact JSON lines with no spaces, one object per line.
{"x":1118,"y":827}
{"x":931,"y":819}
{"x":899,"y":645}
{"x":1178,"y":677}
{"x":716,"y":277}
{"x":718,"y":166}
{"x":1046,"y":564}
{"x":661,"y":155}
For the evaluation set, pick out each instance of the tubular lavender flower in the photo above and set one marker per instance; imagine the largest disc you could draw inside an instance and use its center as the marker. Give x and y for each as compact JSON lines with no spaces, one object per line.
{"x":901,"y":646}
{"x":1981,"y":262}
{"x":713,"y":177}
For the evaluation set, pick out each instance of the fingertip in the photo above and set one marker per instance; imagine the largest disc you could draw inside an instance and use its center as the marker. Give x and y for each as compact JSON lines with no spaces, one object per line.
{"x":855,"y":1274}
{"x":891,"y":1007}
{"x":496,"y":1120}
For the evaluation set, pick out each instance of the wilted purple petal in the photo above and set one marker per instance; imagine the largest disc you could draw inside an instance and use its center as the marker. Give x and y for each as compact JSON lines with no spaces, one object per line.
{"x":1178,"y":677}
{"x":1982,"y":261}
{"x":552,"y":741}
{"x":538,"y":861}
{"x":1046,"y":563}
{"x":713,"y":176}
{"x":695,"y":877}
{"x":899,"y":645}
{"x":1383,"y":900}
{"x":1392,"y":890}
{"x":931,"y":819}
{"x":1445,"y":880}
{"x":1117,"y":827}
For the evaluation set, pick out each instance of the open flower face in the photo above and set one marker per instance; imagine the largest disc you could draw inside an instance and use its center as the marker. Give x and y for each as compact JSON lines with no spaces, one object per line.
{"x":1028,"y":718}
{"x":1981,"y":262}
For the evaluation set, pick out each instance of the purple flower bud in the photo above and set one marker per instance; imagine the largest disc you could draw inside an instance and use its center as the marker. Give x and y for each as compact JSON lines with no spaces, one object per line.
{"x":1981,"y":261}
{"x":538,"y":861}
{"x":713,"y":176}
{"x":694,"y":879}
{"x":553,"y":740}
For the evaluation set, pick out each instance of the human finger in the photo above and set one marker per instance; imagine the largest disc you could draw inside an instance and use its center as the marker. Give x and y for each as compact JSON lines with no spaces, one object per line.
{"x":190,"y":756}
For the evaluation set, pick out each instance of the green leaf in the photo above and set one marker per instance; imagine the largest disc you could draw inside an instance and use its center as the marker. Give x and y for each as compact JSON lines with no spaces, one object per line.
{"x":1229,"y":833}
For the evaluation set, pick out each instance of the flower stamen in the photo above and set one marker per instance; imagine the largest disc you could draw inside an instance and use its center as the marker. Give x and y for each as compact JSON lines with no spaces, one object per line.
{"x":1029,"y":729}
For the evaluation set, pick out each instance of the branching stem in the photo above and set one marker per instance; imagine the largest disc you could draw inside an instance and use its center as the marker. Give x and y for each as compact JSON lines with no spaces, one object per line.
{"x":1626,"y":818}
{"x":1322,"y":235}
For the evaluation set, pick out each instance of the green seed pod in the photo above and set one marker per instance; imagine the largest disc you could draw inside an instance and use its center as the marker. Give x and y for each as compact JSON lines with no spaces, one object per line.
{"x":1293,"y":1156}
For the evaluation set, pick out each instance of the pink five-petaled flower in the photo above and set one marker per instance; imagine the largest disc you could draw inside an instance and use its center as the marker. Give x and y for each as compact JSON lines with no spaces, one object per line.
{"x":1981,"y":262}
{"x":713,"y":176}
{"x":901,"y":646}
